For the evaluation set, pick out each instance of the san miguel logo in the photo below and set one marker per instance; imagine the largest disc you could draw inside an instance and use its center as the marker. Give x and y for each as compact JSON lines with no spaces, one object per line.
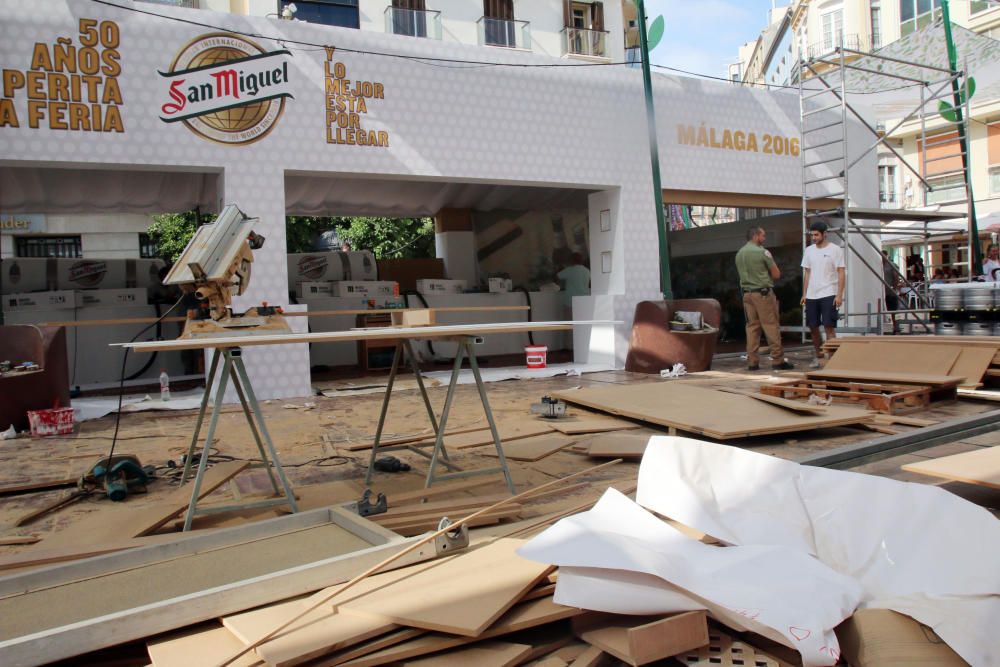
{"x":226,"y":88}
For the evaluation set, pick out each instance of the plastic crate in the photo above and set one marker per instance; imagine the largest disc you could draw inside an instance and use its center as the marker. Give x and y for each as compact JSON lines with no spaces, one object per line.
{"x":54,"y":421}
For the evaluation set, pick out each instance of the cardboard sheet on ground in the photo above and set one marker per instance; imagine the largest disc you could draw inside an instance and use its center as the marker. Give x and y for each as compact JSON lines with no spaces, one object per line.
{"x":98,"y":406}
{"x":635,"y":563}
{"x":914,"y":548}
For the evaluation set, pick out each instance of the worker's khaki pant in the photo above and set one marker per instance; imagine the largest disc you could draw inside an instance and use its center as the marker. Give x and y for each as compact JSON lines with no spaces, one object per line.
{"x":762,"y":313}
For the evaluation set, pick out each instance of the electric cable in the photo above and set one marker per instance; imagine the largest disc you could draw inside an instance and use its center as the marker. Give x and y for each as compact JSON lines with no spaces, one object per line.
{"x":121,"y":383}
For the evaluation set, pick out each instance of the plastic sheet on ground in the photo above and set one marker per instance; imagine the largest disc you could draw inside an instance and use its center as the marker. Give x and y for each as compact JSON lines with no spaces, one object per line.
{"x":913,"y":548}
{"x":98,"y":406}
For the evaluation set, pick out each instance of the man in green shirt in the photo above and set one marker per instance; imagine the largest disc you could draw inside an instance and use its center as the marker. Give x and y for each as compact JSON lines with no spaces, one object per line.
{"x":757,"y":275}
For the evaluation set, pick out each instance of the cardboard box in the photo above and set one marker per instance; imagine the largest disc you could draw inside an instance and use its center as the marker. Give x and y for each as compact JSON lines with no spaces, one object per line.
{"x":307,"y":289}
{"x":59,"y":300}
{"x":368,"y":288}
{"x":438,"y":286}
{"x":107,"y":273}
{"x":884,"y":638}
{"x":109,"y":298}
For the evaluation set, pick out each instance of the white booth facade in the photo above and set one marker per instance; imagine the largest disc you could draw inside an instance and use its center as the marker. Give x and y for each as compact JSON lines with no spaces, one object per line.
{"x":146,"y":108}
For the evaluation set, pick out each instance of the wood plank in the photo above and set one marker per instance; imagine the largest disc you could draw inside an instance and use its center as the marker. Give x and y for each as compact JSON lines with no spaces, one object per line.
{"x":576,"y":424}
{"x":381,"y":333}
{"x":894,"y":357}
{"x":972,"y":364}
{"x":455,"y":597}
{"x":484,"y":654}
{"x":211,"y":645}
{"x":37,"y":485}
{"x":534,"y":448}
{"x":592,"y":657}
{"x":417,"y":495}
{"x":905,"y":420}
{"x":507,"y":431}
{"x":641,"y":640}
{"x":879,"y":376}
{"x":794,"y":406}
{"x":414,"y":525}
{"x":979,"y":395}
{"x":440,"y":506}
{"x":522,"y":616}
{"x":407,"y":439}
{"x":705,"y":411}
{"x":617,"y":445}
{"x":980,"y":467}
{"x":18,"y":539}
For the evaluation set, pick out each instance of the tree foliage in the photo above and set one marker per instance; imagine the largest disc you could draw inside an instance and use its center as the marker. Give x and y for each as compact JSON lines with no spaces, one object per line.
{"x":387,"y":238}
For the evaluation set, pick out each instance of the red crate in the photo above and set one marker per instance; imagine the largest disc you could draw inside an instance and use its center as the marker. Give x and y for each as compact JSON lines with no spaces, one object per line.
{"x":54,"y":421}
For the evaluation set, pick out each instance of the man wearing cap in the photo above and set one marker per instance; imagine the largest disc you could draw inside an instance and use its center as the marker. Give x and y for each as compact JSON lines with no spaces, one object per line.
{"x":757,"y":275}
{"x":823,"y":280}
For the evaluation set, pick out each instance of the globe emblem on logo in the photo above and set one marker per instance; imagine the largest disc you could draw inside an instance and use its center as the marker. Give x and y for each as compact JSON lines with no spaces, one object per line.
{"x":236,"y":114}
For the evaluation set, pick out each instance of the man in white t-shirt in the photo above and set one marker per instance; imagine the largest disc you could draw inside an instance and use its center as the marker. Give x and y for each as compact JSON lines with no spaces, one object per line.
{"x":823,"y":280}
{"x":991,"y":267}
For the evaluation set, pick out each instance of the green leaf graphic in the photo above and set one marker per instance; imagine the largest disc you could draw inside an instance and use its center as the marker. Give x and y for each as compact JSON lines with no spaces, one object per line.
{"x":947,"y":111}
{"x":655,"y":33}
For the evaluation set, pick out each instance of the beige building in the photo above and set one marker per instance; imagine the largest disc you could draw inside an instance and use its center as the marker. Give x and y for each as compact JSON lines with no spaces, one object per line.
{"x":808,"y":29}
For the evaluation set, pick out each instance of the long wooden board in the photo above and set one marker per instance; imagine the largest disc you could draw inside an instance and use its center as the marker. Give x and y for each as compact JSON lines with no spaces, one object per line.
{"x":886,"y":357}
{"x":483,"y":654}
{"x":208,"y":646}
{"x":705,"y":411}
{"x":972,"y":364}
{"x":980,"y":467}
{"x":534,"y":448}
{"x":638,"y":640}
{"x":617,"y":445}
{"x":788,"y":404}
{"x":382,"y":333}
{"x":577,"y":424}
{"x":881,"y":376}
{"x":456,"y":597}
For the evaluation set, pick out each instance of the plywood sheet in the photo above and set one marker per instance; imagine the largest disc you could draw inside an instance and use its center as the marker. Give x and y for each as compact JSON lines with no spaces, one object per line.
{"x":483,"y":654}
{"x":883,"y":377}
{"x":705,"y":411}
{"x":972,"y":364}
{"x":199,"y":645}
{"x":617,"y":445}
{"x":641,"y":640}
{"x":455,"y":596}
{"x":534,"y":448}
{"x":980,"y":467}
{"x":889,"y":357}
{"x":794,"y":406}
{"x":576,"y":424}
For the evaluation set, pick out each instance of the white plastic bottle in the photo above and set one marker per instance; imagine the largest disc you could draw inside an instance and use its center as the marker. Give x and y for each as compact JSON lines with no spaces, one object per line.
{"x":164,"y":385}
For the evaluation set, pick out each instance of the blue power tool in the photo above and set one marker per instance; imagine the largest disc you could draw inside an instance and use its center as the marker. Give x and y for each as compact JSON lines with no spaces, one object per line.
{"x":119,"y":476}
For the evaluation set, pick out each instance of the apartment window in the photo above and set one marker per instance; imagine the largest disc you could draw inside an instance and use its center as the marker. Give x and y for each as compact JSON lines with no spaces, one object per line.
{"x":409,"y":18}
{"x":343,"y":13}
{"x":833,"y":29}
{"x":67,"y":247}
{"x":876,"y":18}
{"x":498,"y":20}
{"x":995,"y":180}
{"x":916,"y":14}
{"x":148,"y":249}
{"x":887,"y":185}
{"x":950,"y":188}
{"x":584,"y":28}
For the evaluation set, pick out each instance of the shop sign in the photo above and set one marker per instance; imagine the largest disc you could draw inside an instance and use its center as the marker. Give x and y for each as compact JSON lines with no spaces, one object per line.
{"x":25,"y":223}
{"x":226,"y":88}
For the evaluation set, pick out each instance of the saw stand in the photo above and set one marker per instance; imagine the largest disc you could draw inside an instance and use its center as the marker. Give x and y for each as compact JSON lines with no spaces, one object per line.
{"x":439,"y":453}
{"x":234,"y":369}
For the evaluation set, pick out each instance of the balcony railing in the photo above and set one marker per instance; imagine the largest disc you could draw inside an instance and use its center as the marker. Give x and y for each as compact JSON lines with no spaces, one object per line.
{"x":863,"y":43}
{"x":889,"y":200}
{"x":502,"y":32}
{"x":581,"y":42}
{"x":413,"y":22}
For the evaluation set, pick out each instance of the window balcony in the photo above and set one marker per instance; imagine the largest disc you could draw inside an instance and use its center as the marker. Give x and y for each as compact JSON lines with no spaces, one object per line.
{"x":889,"y":200}
{"x":829,"y":45}
{"x":581,"y":42}
{"x":413,"y":22}
{"x":504,"y":33}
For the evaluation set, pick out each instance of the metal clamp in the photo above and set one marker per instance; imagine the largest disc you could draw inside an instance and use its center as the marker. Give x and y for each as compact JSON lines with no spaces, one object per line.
{"x":365,"y":507}
{"x":453,"y":540}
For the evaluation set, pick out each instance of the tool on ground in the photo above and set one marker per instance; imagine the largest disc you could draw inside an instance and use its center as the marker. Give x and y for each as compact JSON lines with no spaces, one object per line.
{"x":391,"y":464}
{"x":122,"y":475}
{"x":215,"y":266}
{"x":453,"y":540}
{"x":550,"y":408}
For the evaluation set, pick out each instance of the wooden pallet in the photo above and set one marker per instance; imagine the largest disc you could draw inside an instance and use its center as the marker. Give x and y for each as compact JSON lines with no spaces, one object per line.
{"x":887,"y":398}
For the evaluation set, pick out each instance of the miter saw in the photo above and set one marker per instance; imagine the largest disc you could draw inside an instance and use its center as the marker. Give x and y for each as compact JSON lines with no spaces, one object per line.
{"x":215,"y":266}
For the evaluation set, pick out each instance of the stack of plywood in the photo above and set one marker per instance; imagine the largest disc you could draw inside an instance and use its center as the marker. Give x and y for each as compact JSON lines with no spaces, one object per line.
{"x":925,"y":360}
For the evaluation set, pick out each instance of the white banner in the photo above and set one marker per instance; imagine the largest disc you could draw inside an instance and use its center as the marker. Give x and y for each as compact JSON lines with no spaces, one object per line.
{"x":233,"y":83}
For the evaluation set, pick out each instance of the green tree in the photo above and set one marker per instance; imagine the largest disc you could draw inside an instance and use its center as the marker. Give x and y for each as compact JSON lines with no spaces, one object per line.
{"x":171,"y":232}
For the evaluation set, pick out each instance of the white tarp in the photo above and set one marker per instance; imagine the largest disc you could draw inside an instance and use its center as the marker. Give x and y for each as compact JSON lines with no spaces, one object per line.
{"x":913,"y":548}
{"x":96,"y":407}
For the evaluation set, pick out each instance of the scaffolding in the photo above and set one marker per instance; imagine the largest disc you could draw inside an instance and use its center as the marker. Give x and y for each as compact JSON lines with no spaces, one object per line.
{"x":824,"y":131}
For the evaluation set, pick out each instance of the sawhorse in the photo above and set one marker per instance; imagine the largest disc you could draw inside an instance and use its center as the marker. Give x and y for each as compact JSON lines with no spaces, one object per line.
{"x":234,"y":369}
{"x":439,"y":454}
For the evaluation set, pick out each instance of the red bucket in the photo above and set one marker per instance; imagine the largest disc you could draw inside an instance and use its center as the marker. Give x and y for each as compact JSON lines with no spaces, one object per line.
{"x":536,"y":355}
{"x":55,"y":421}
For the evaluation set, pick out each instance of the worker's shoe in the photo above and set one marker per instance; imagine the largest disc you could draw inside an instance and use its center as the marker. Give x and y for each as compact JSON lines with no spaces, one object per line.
{"x":753,"y":367}
{"x":783,"y":366}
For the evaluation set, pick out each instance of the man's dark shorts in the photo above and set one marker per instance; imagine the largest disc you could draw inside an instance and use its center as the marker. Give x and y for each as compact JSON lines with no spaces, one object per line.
{"x":821,"y":312}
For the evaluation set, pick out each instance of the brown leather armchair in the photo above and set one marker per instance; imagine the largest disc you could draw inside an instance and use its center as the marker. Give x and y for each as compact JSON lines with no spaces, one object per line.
{"x":46,"y":346}
{"x":655,"y":347}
